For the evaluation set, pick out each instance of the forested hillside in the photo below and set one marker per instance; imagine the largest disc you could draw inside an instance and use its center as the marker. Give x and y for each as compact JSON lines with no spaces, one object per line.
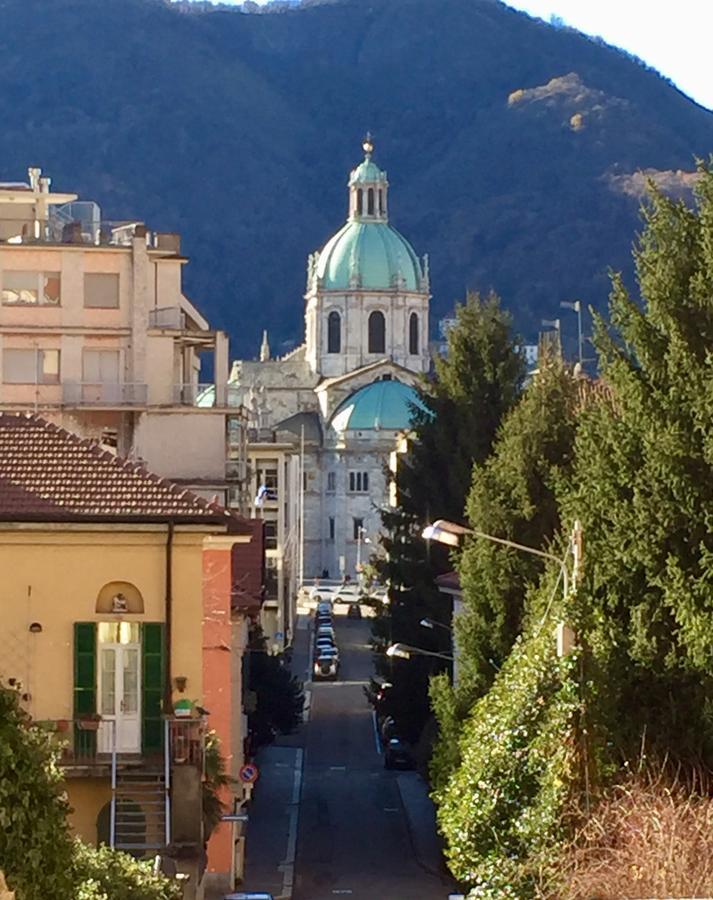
{"x":511,"y":145}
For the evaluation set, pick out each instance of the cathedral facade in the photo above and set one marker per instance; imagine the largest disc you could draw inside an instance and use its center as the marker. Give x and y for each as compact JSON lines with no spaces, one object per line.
{"x":341,"y":398}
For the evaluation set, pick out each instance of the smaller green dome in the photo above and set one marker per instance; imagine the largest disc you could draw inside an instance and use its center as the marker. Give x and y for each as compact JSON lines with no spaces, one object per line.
{"x":385,"y":404}
{"x":367,"y":171}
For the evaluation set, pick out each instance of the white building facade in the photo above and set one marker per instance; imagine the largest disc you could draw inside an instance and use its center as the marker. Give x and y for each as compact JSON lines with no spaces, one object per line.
{"x":345,"y":394}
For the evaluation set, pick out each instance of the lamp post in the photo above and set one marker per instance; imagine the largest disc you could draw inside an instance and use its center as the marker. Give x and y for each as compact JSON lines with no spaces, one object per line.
{"x":406,"y":651}
{"x":431,"y":624}
{"x":576,"y":306}
{"x":450,"y":533}
{"x":361,"y":536}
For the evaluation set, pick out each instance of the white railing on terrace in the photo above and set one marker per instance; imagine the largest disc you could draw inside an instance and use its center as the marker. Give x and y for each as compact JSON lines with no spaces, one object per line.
{"x":83,"y":393}
{"x":204,"y":395}
{"x":167,"y":317}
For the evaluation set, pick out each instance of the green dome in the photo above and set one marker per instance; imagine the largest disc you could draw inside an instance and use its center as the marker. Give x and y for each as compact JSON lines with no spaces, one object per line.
{"x":371,"y":255}
{"x":366,"y":171}
{"x":381,"y":404}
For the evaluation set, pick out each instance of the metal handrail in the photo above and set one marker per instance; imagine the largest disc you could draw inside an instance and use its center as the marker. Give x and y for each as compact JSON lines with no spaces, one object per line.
{"x":112,"y":809}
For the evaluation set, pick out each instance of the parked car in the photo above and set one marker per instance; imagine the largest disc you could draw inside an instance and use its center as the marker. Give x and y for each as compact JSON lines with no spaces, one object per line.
{"x":249,"y":895}
{"x":354,"y":611}
{"x":398,"y":755}
{"x":325,"y":631}
{"x":322,"y":592}
{"x":324,"y":609}
{"x":324,"y":643}
{"x":326,"y":665}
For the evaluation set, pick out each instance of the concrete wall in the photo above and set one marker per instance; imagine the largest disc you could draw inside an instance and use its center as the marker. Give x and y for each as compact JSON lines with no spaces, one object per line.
{"x":182,"y":445}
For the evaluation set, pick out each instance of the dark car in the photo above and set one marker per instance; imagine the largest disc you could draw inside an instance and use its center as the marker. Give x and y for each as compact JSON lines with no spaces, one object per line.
{"x":354,"y":611}
{"x":398,"y":755}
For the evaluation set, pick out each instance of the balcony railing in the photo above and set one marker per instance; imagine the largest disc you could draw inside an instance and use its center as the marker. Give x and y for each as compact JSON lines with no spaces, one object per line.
{"x":91,"y":741}
{"x":204,"y":395}
{"x":84,"y":393}
{"x":187,"y":742}
{"x":167,"y":317}
{"x":81,"y":223}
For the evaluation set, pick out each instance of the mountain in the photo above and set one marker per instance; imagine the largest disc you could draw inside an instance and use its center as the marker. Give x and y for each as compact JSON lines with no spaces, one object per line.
{"x":514,"y":148}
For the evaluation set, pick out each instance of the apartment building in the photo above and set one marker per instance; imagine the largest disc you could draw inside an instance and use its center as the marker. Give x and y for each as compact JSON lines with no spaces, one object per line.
{"x":97,"y":335}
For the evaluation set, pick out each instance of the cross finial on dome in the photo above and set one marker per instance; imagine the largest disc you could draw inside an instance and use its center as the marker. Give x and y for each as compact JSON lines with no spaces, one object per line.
{"x":368,"y":145}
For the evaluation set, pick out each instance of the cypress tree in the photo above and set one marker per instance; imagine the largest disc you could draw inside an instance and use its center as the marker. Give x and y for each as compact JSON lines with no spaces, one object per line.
{"x":474,"y":385}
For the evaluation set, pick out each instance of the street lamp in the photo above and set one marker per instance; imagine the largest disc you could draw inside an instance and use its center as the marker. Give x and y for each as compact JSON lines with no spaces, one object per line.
{"x":431,"y":624}
{"x":361,"y":536}
{"x":406,"y":651}
{"x":450,"y":533}
{"x":576,"y":306}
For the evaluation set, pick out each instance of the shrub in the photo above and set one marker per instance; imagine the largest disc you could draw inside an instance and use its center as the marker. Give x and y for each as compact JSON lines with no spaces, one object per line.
{"x":501,"y":811}
{"x":106,"y":874}
{"x":650,"y":836}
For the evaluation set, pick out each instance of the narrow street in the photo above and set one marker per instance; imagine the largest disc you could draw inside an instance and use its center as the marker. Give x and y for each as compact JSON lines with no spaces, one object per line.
{"x":359,"y":831}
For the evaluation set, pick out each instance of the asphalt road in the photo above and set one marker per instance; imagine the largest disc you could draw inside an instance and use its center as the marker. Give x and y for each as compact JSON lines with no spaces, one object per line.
{"x":354,"y":836}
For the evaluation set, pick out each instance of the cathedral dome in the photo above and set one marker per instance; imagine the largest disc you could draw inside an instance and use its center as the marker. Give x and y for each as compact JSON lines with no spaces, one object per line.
{"x":367,"y":252}
{"x":370,"y":255}
{"x":382,"y":404}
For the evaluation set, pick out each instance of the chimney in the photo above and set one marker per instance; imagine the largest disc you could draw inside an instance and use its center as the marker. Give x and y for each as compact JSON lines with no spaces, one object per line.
{"x":34,"y":175}
{"x":45,"y":183}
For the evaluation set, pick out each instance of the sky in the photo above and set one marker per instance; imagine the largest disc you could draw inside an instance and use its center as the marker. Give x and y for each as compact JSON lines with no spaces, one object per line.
{"x":672,"y":37}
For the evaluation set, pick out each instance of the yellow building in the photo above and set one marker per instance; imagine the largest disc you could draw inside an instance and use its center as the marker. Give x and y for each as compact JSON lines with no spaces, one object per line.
{"x":117,"y":621}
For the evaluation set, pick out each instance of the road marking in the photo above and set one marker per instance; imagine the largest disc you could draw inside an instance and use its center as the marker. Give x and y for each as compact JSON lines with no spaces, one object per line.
{"x":342,"y":891}
{"x":391,"y":809}
{"x":377,"y":739}
{"x":337,"y":768}
{"x":288,"y":866}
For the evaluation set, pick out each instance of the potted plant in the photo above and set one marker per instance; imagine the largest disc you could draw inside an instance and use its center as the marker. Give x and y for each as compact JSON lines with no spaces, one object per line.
{"x":183,"y":708}
{"x":89,"y":721}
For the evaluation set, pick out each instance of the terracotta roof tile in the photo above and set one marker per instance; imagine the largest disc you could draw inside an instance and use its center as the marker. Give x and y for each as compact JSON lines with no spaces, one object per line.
{"x":48,"y":474}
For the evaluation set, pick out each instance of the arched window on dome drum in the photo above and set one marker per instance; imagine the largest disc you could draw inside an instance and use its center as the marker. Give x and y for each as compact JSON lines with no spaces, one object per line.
{"x":381,"y":203}
{"x":360,"y":201}
{"x":377,"y":333}
{"x":334,"y":333}
{"x":370,"y":201}
{"x":413,"y":334}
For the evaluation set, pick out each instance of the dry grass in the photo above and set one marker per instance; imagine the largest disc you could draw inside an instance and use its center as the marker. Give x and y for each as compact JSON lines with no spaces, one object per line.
{"x":651,"y":837}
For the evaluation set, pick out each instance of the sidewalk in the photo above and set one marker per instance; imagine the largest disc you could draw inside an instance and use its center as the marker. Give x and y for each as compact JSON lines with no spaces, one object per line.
{"x":421,"y":818}
{"x":271,"y":835}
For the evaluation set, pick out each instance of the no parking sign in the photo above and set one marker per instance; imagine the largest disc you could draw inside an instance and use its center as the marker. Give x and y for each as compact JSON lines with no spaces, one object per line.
{"x":248,"y":773}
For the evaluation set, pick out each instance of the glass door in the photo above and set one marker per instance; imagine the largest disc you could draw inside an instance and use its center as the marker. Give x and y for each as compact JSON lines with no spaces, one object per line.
{"x":120,"y":687}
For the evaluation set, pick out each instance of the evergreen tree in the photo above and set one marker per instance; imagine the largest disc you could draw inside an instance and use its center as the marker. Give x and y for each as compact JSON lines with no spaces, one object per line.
{"x":512,"y":496}
{"x":474,"y":385}
{"x":643,"y":489}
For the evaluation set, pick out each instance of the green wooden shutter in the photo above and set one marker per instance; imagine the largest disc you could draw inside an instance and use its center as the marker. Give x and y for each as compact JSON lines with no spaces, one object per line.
{"x":85,"y":684}
{"x":153,"y":666}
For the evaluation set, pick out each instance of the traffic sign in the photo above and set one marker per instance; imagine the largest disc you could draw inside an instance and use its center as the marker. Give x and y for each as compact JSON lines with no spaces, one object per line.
{"x":248,"y":773}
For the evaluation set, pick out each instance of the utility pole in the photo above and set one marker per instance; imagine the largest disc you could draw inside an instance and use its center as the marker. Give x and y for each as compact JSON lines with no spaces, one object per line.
{"x":576,"y":305}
